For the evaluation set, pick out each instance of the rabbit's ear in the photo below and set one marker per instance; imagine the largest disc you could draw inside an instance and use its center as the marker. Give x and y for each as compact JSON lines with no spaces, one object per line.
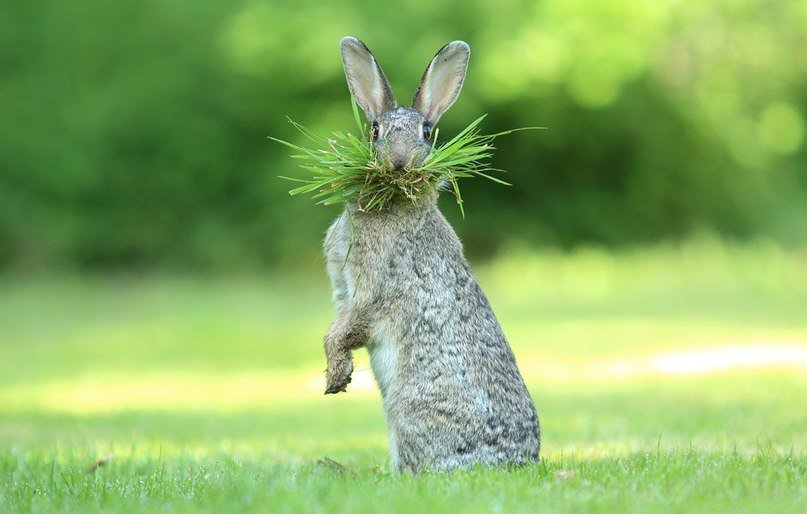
{"x":367,"y":82}
{"x":442,"y":81}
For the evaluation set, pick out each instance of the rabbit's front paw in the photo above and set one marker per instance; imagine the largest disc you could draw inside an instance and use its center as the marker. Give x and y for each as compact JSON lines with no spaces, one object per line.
{"x":337,"y":377}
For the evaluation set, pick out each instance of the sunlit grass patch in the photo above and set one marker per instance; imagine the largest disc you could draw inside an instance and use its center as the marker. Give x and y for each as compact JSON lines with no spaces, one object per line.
{"x":589,"y":417}
{"x":105,"y":392}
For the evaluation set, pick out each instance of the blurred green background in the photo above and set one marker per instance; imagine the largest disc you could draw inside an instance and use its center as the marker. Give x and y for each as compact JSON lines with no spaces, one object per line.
{"x":133,"y":133}
{"x":163,"y":299}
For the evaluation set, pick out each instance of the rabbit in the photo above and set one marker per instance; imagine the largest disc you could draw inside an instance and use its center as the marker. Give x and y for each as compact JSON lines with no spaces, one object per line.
{"x":452,"y":393}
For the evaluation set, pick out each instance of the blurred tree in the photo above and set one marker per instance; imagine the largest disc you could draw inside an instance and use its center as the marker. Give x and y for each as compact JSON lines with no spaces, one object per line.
{"x":133,"y":133}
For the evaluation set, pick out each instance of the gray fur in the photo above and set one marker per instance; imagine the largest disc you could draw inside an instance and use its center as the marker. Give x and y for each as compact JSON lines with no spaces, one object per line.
{"x":453,"y":396}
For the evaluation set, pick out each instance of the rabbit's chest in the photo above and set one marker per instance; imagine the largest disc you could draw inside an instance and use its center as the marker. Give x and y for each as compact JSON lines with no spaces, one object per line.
{"x":383,"y":352}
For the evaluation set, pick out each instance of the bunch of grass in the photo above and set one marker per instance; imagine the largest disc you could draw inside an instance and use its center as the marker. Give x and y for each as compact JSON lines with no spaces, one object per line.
{"x":344,"y":167}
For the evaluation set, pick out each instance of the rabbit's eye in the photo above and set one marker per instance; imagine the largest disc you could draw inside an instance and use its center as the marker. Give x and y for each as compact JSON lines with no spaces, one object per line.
{"x":427,"y":131}
{"x":374,"y":131}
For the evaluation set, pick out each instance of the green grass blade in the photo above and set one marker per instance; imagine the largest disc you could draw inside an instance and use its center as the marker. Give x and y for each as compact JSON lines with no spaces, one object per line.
{"x":343,"y":167}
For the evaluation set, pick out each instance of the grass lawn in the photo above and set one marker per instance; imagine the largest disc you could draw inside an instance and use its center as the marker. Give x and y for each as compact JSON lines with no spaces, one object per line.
{"x":670,"y":379}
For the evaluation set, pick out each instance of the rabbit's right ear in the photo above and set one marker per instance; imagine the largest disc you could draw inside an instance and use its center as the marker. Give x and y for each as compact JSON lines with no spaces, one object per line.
{"x":442,"y":81}
{"x":367,"y":82}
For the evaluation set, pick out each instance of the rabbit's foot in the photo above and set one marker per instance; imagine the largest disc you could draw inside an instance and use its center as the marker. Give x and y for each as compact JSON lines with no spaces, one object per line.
{"x":338,"y":376}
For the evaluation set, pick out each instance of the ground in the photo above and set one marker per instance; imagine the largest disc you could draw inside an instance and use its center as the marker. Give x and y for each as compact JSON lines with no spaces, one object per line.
{"x":670,"y":379}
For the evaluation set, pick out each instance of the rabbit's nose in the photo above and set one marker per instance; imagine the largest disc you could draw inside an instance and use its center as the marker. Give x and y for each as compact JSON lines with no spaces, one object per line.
{"x":399,"y":160}
{"x":399,"y":164}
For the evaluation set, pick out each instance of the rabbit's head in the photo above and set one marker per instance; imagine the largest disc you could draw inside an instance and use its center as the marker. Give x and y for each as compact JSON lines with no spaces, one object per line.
{"x":402,"y":135}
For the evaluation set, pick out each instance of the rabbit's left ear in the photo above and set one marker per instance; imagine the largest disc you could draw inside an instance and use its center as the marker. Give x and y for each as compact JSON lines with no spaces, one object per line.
{"x":442,"y":81}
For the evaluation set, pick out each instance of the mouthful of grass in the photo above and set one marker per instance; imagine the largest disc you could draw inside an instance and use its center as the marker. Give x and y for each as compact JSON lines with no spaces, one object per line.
{"x":344,"y":167}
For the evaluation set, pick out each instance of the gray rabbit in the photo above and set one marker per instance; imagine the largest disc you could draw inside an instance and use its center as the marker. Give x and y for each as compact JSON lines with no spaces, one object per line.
{"x":453,"y":396}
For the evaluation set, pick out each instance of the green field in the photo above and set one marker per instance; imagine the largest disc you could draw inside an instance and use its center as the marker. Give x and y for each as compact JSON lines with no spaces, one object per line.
{"x":669,"y":379}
